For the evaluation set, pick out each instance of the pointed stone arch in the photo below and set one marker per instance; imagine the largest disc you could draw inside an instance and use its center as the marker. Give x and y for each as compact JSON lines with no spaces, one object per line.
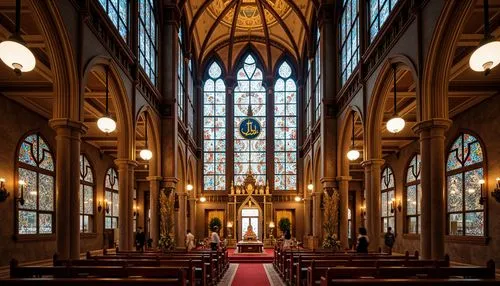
{"x":153,"y":137}
{"x":345,"y":139}
{"x":256,"y":205}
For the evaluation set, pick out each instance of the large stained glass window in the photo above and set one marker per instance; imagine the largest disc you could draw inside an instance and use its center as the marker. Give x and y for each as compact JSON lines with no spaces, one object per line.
{"x":308,"y":92}
{"x":285,"y":130}
{"x":464,"y":168}
{"x":349,"y":39}
{"x":214,"y":130}
{"x":86,"y":195}
{"x":190,"y":98}
{"x":111,"y":200}
{"x":317,"y":77}
{"x":249,"y":155}
{"x":180,"y":78}
{"x":117,"y":11}
{"x":378,"y":13}
{"x":387,"y":188}
{"x":148,"y":38}
{"x":35,"y":166}
{"x":413,"y":195}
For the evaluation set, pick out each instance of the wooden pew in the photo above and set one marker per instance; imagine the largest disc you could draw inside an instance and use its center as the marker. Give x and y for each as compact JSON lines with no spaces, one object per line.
{"x":409,"y":282}
{"x":91,"y":281}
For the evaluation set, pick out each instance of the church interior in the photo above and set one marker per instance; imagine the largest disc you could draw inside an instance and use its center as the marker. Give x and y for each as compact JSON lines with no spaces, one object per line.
{"x":249,"y":142}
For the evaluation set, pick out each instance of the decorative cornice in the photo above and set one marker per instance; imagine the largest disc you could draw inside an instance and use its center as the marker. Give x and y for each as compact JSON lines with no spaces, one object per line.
{"x":439,"y":123}
{"x":373,"y":162}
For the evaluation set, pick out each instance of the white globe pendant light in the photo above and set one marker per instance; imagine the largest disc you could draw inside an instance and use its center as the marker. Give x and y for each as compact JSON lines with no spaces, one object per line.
{"x":487,"y":55}
{"x":106,"y":124}
{"x":13,"y":51}
{"x":353,"y":154}
{"x":396,"y":123}
{"x":145,"y":153}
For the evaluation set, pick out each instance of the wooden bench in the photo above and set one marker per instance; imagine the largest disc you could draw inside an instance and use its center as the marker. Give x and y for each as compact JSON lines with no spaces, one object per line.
{"x":91,"y":281}
{"x":408,"y":282}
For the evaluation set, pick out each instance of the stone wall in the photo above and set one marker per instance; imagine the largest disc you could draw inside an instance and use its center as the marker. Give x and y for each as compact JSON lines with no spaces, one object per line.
{"x":15,"y":122}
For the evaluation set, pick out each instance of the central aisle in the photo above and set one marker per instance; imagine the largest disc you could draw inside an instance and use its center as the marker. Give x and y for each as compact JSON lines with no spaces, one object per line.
{"x":250,"y":274}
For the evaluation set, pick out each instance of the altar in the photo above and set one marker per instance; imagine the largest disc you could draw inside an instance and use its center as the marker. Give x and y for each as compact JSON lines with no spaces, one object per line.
{"x":250,"y":246}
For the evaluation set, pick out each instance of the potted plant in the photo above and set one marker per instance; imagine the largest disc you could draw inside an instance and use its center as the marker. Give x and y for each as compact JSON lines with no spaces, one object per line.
{"x":166,"y":242}
{"x":215,"y":222}
{"x":330,"y":224}
{"x":284,"y":224}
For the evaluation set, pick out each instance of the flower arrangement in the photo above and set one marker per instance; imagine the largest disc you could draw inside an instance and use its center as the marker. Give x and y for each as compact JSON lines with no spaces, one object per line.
{"x":166,"y":242}
{"x":331,"y":220}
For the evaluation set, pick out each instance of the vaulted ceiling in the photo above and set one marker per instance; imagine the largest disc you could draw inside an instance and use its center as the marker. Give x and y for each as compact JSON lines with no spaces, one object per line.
{"x":226,"y":26}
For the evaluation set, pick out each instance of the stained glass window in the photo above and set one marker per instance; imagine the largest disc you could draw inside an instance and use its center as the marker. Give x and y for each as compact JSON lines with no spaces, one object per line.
{"x":308,"y":92}
{"x":35,"y":166}
{"x":349,"y":39}
{"x":413,"y":195}
{"x":86,"y":195}
{"x":189,"y":98}
{"x":249,"y":155}
{"x":349,"y":223}
{"x":387,"y":188}
{"x":180,"y":78}
{"x":118,"y":13}
{"x":148,"y":38}
{"x":464,"y":168}
{"x":214,"y":130}
{"x":111,"y":200}
{"x":317,"y":75}
{"x":285,"y":130}
{"x":378,"y":13}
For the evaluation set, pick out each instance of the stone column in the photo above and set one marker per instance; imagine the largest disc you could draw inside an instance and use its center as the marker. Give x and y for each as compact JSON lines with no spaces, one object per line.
{"x":67,"y":183}
{"x":316,"y":225}
{"x":192,"y":215}
{"x":372,"y":185}
{"x":343,"y":182}
{"x":126,"y":198}
{"x":181,"y":218}
{"x":433,"y":182}
{"x":154,"y":197}
{"x":307,"y":216}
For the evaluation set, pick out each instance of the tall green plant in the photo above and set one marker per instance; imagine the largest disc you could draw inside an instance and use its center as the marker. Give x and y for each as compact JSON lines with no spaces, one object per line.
{"x":215,"y":222}
{"x":284,"y":224}
{"x":166,"y":241}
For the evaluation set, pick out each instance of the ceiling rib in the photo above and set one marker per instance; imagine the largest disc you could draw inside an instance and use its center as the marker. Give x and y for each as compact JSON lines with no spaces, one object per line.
{"x":217,"y":22}
{"x":283,"y":25}
{"x":197,"y":16}
{"x":266,"y":34}
{"x":299,"y":14}
{"x":231,"y":37}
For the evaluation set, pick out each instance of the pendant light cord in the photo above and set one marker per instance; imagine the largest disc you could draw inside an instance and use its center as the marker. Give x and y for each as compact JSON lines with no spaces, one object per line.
{"x":18,"y":18}
{"x":107,"y":90}
{"x":146,"y":130}
{"x":394,"y":88}
{"x":486,"y":19}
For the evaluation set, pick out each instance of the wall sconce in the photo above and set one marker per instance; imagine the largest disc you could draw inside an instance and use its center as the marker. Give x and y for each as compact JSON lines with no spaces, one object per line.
{"x":4,"y":194}
{"x":229,"y":227}
{"x":20,"y":199}
{"x":482,"y":199}
{"x":310,"y":186}
{"x":189,"y":187}
{"x":363,"y":211}
{"x":99,"y":206}
{"x":271,"y":228}
{"x":136,"y":211}
{"x":203,"y":199}
{"x":106,"y":206}
{"x":496,"y":192}
{"x":395,"y":205}
{"x":298,"y":198}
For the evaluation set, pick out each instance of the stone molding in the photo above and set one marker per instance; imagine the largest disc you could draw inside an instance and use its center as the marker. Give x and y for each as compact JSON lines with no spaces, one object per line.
{"x":441,"y":123}
{"x":371,"y":162}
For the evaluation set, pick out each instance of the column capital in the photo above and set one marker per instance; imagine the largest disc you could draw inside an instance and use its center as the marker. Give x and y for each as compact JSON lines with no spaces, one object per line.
{"x":154,"y":178}
{"x":343,"y":178}
{"x":372,"y":162}
{"x":126,"y":163}
{"x":58,"y":123}
{"x":438,"y":123}
{"x":170,"y":182}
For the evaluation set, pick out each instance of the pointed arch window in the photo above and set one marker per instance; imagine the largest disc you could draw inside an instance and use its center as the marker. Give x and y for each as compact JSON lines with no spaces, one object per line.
{"x":465,"y":166}
{"x":308,"y":92}
{"x":118,"y":13}
{"x":317,"y":77}
{"x":379,"y":11}
{"x":387,"y":188}
{"x":148,"y":39}
{"x":87,"y":195}
{"x":35,"y":166}
{"x":285,"y":130}
{"x":111,"y":199}
{"x":214,"y":130}
{"x":249,"y":155}
{"x":180,"y":78}
{"x":349,"y":39}
{"x":413,"y":195}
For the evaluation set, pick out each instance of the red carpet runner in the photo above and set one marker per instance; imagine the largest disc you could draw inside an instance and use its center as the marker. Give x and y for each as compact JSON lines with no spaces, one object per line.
{"x":251,"y":275}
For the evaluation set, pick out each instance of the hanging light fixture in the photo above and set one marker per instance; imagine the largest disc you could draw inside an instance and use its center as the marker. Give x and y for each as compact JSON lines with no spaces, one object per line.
{"x":189,"y":187}
{"x":310,"y":186}
{"x":487,"y":55}
{"x":13,"y":51}
{"x":106,"y":124}
{"x":145,"y":153}
{"x":396,"y":123}
{"x":353,"y":154}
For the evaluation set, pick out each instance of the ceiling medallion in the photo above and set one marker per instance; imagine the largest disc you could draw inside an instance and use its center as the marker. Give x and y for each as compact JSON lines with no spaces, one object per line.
{"x":249,"y":15}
